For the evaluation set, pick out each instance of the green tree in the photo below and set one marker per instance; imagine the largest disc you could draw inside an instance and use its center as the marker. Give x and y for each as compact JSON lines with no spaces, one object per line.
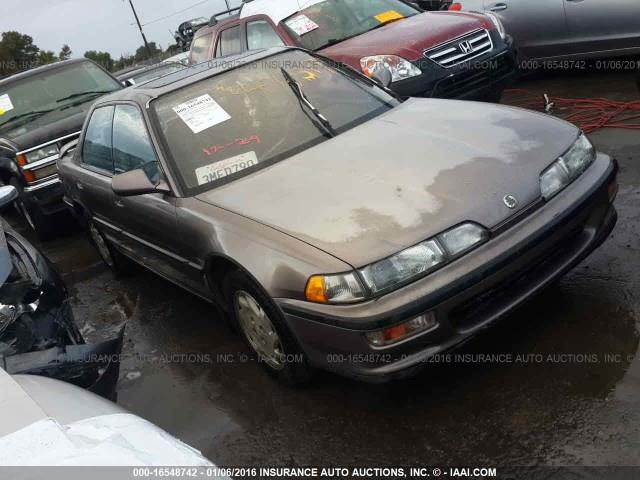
{"x":142,"y":54}
{"x":17,"y":53}
{"x":46,"y":56}
{"x":65,"y":52}
{"x":102,"y":58}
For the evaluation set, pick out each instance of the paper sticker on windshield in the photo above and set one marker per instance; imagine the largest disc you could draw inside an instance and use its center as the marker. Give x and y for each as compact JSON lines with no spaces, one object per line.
{"x":388,"y":16}
{"x":5,"y":104}
{"x":201,"y":113}
{"x":224,"y":168}
{"x":301,"y":25}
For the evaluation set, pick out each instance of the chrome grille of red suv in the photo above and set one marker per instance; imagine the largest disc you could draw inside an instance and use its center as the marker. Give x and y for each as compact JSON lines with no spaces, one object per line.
{"x":462,"y":49}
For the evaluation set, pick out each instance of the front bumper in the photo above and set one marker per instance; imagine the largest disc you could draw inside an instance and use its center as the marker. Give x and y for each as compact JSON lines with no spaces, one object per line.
{"x":467,"y":295}
{"x":474,"y":80}
{"x":45,"y":196}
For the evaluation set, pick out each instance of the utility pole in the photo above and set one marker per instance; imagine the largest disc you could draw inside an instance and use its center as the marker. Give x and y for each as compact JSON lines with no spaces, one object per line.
{"x":146,"y":44}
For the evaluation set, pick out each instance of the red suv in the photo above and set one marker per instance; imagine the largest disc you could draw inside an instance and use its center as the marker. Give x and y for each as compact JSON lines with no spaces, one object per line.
{"x":429,"y":54}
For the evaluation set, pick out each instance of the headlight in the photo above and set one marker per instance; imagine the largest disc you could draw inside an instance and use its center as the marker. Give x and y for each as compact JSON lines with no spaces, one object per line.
{"x":41,"y":153}
{"x":410,"y":263}
{"x":399,"y":269}
{"x":425,"y":257}
{"x":400,"y":68}
{"x":498,"y":23}
{"x":568,"y":167}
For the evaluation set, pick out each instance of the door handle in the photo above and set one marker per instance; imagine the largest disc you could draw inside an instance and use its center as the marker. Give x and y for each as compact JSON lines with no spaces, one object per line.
{"x":80,"y":186}
{"x":498,"y":7}
{"x":118,"y":202}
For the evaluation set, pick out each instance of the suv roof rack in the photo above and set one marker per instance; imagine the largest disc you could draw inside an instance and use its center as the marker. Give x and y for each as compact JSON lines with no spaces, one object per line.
{"x":214,"y":17}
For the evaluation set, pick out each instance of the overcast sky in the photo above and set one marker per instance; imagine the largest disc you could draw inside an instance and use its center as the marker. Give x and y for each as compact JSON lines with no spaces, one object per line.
{"x":104,"y":25}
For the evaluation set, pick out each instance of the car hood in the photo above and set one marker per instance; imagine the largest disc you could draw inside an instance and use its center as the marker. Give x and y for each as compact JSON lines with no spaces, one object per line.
{"x":42,"y":130}
{"x":408,"y":38}
{"x":402,"y":177}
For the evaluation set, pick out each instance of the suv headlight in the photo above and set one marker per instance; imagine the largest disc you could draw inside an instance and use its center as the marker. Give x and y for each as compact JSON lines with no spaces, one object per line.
{"x":498,"y":24}
{"x":401,"y":268}
{"x":400,"y":68}
{"x":41,"y":153}
{"x":568,"y":167}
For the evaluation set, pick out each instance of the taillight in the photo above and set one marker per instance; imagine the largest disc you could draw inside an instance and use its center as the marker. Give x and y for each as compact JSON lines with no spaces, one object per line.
{"x":455,"y":7}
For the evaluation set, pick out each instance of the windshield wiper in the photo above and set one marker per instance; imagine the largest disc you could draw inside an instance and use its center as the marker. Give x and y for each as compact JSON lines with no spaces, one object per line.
{"x":81,"y":94}
{"x":304,"y":101}
{"x":36,"y":113}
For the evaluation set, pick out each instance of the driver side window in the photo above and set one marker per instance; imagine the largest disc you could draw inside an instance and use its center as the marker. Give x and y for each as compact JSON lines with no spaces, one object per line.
{"x":132,"y":148}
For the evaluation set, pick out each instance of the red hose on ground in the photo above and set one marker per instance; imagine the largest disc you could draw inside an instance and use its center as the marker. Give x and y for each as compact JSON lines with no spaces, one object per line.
{"x":590,"y":114}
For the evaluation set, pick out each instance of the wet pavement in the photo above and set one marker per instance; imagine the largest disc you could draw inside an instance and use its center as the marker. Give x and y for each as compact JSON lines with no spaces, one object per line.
{"x":565,"y":388}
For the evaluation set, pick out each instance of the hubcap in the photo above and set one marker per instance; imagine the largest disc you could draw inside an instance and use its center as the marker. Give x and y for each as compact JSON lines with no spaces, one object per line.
{"x":101,"y":245}
{"x":259,"y":330}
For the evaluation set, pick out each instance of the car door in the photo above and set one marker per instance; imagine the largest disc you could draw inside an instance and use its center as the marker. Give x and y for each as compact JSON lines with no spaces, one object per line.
{"x":538,"y":27}
{"x":602,"y":25}
{"x":92,"y":184}
{"x":147,"y":223}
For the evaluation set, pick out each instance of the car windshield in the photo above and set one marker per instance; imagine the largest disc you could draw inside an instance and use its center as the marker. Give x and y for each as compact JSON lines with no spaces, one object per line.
{"x":230,"y":125}
{"x":156,"y":72}
{"x":332,"y":21}
{"x":47,"y":97}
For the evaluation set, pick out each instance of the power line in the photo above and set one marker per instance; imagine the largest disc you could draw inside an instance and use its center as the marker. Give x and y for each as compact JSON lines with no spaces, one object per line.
{"x":176,"y":13}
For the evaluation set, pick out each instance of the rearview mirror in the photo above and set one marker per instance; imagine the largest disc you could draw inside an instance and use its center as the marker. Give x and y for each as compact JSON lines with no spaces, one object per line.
{"x":8,"y":194}
{"x":382,"y":76}
{"x":137,"y":182}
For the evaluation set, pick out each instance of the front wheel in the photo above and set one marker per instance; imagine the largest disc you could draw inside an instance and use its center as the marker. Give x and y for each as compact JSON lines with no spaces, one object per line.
{"x":263,"y":327}
{"x":116,"y":262}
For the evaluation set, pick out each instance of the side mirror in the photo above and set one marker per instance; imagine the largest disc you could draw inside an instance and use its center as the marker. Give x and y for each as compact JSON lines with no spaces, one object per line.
{"x":8,"y":194}
{"x":137,"y":182}
{"x":382,"y":76}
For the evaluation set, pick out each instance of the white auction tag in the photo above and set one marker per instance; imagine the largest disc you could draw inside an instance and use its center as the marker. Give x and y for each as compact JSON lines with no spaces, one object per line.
{"x":201,"y":113}
{"x":302,"y":25}
{"x":5,"y":104}
{"x":224,"y":168}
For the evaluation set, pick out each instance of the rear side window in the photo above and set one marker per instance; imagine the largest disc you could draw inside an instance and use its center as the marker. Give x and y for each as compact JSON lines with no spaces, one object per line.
{"x":229,"y":42}
{"x":96,"y":151}
{"x":260,"y":34}
{"x":132,"y":147}
{"x":200,"y":48}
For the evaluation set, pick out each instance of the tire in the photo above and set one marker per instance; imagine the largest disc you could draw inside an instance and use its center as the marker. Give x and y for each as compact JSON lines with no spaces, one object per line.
{"x":43,"y":225}
{"x":114,"y":260}
{"x":286,"y":362}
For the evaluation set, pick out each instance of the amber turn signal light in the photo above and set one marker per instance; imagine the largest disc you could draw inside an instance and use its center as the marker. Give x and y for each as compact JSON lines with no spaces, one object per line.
{"x":315,"y":291}
{"x":28,"y":175}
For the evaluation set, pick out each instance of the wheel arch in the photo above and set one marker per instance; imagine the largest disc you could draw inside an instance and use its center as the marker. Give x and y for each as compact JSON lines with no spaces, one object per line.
{"x":217,"y":268}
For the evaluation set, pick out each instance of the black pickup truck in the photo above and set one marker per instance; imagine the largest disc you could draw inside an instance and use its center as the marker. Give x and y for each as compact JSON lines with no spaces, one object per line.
{"x":41,"y":111}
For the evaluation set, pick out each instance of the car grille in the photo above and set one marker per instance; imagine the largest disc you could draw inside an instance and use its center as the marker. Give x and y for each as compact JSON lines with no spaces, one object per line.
{"x":462,"y":49}
{"x":478,"y":309}
{"x":476,"y":78}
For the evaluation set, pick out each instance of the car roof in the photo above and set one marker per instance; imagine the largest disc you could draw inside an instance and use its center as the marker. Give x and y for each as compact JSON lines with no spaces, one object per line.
{"x":191,"y":74}
{"x":277,"y":10}
{"x":40,"y":70}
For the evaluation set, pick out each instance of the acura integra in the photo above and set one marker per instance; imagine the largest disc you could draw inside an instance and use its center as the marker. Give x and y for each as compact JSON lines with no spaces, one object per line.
{"x":339,"y":227}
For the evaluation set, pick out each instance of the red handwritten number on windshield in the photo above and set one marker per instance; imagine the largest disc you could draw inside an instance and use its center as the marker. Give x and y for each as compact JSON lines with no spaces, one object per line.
{"x":238,"y":142}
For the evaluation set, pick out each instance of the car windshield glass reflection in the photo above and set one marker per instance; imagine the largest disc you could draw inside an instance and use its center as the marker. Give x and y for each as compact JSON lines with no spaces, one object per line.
{"x":333,"y":21}
{"x":230,"y":125}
